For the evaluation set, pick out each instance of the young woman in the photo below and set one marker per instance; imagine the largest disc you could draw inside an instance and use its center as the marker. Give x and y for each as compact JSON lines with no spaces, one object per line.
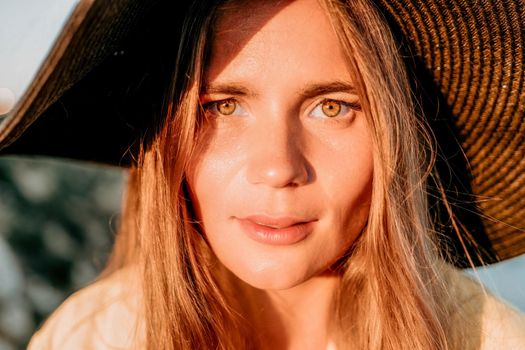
{"x":281,"y":202}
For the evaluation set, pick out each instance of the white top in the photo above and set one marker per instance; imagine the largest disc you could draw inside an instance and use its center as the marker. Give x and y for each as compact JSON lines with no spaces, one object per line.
{"x":103,"y":316}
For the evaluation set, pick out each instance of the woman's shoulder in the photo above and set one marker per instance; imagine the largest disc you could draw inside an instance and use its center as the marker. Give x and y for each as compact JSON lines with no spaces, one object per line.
{"x":489,"y":322}
{"x":103,"y":315}
{"x":503,"y":326}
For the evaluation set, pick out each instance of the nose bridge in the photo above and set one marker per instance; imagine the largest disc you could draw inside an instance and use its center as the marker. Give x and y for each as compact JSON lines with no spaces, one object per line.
{"x":276,"y":157}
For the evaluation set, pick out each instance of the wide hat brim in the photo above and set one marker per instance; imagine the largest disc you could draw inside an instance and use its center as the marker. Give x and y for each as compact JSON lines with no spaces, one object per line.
{"x":102,"y":83}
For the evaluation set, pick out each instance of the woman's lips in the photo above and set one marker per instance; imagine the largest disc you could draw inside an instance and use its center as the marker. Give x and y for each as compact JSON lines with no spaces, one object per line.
{"x":276,"y":230}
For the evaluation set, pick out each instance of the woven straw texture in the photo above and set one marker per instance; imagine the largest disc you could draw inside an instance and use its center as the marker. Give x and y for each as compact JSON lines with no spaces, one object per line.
{"x":88,"y":37}
{"x":479,"y":68}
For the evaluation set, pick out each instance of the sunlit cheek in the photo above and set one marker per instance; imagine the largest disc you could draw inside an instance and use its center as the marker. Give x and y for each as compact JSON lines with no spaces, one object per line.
{"x":213,"y":182}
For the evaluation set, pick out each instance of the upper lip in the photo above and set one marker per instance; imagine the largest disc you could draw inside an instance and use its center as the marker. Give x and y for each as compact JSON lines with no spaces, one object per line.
{"x":276,"y":221}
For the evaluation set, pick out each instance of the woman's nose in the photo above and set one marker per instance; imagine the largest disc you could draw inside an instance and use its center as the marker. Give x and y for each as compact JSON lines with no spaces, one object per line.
{"x":276,"y":158}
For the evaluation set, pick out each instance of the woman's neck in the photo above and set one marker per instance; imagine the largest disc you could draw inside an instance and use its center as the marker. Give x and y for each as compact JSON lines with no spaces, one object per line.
{"x":296,"y":318}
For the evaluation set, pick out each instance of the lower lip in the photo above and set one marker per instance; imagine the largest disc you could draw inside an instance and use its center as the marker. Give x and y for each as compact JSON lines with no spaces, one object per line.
{"x":276,"y":236}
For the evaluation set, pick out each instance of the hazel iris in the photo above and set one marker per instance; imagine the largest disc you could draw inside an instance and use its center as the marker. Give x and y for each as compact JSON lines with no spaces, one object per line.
{"x":331,"y":108}
{"x":226,"y":107}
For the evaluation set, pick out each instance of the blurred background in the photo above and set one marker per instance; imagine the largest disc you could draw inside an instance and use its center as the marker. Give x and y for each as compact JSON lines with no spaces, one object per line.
{"x":57,"y":222}
{"x":58,"y":218}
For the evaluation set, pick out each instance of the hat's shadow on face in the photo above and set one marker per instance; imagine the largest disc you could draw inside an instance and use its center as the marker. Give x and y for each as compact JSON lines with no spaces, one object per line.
{"x":235,"y":30}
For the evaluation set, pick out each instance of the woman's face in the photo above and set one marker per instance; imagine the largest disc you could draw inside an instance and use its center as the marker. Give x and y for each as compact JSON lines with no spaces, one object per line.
{"x":282,"y":178}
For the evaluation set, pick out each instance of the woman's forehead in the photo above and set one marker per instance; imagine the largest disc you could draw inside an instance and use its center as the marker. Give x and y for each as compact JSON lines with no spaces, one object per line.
{"x":294,"y":36}
{"x":249,"y":15}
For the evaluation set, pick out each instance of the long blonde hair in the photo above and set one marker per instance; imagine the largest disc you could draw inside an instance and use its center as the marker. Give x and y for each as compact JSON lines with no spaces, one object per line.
{"x":392,"y":290}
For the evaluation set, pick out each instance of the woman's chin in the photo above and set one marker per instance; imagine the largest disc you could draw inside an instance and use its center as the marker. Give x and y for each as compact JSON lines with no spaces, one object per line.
{"x":272,"y":279}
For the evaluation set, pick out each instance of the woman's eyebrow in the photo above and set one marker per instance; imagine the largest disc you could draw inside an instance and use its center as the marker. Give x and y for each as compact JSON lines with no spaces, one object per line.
{"x":317,"y":89}
{"x":310,"y":90}
{"x":227,"y":89}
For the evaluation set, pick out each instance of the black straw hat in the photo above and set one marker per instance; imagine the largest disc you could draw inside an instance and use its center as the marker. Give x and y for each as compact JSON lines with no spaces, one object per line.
{"x":103,"y":80}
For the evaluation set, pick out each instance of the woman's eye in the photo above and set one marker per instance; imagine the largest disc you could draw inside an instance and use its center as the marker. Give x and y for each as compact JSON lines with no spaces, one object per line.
{"x":224,"y":107}
{"x":333,"y":108}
